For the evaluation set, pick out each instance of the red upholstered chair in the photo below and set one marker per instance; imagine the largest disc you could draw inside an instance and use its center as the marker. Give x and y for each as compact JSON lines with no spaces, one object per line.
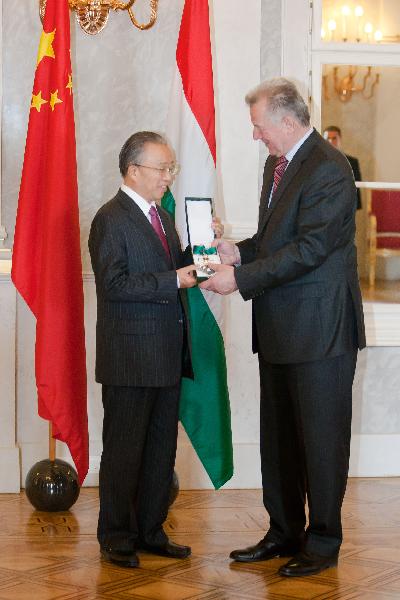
{"x":384,"y":227}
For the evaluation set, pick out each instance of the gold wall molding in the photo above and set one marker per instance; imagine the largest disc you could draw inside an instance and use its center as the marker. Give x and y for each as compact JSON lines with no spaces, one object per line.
{"x":347,"y":85}
{"x":92,"y":15}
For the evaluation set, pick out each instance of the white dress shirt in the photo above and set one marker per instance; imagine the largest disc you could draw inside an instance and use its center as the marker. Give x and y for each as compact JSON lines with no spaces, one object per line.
{"x":145,"y":208}
{"x":289,"y":155}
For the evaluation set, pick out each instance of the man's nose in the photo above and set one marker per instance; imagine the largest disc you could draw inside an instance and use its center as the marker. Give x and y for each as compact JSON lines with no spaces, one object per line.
{"x":256,"y":134}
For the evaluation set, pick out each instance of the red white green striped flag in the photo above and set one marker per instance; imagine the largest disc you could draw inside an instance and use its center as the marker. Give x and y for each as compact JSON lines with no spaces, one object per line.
{"x":204,"y":410}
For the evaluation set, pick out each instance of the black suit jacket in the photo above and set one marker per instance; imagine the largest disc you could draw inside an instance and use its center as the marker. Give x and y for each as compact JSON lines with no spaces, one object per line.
{"x":355,"y":167}
{"x":300,"y":268}
{"x":140,"y":311}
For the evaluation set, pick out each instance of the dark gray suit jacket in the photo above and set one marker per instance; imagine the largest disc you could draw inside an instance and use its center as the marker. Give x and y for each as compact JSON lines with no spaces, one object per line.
{"x":355,"y":167}
{"x":140,"y":311}
{"x":300,"y":268}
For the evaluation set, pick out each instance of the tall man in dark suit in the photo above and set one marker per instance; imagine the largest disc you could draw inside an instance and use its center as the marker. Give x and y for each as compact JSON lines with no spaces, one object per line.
{"x":141,"y":351}
{"x":334,"y":136}
{"x":300,"y":270}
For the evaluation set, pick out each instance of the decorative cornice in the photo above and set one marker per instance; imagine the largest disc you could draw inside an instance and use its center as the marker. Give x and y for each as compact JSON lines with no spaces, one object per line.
{"x":382,"y":320}
{"x":5,"y":270}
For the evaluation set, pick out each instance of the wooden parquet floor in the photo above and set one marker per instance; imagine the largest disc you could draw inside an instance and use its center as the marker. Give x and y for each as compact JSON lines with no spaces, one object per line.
{"x":55,"y":556}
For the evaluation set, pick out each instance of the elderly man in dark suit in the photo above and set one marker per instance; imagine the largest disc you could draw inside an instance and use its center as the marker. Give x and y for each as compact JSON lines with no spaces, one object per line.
{"x":141,"y":351}
{"x":300,"y":270}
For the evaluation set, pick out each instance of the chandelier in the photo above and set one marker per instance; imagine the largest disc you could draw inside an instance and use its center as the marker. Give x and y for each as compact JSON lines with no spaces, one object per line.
{"x":350,"y":83}
{"x":92,"y":15}
{"x":349,"y":23}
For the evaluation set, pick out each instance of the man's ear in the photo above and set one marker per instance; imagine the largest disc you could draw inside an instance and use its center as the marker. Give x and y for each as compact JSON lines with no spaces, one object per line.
{"x":289,"y":123}
{"x":132,"y":172}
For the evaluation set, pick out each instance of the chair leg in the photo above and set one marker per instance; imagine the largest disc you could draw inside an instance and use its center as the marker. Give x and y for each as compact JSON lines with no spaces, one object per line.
{"x":372,"y":251}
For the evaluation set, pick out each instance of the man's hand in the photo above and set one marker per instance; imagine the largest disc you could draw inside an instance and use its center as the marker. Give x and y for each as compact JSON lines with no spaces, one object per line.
{"x":223,"y":282}
{"x":187,"y":276}
{"x":217,"y":227}
{"x":228,"y":252}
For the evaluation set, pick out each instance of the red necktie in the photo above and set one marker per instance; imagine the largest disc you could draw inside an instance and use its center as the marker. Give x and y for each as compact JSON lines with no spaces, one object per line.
{"x":279,"y":170}
{"x":155,"y":221}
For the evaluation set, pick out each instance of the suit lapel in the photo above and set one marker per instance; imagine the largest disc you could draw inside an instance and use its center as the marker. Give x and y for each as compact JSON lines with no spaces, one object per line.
{"x":141,"y":221}
{"x":169,"y":232}
{"x":266,"y":191}
{"x":291,"y":171}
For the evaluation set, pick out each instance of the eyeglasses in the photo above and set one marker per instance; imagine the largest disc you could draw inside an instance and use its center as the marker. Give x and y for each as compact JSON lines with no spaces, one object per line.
{"x":173,"y":170}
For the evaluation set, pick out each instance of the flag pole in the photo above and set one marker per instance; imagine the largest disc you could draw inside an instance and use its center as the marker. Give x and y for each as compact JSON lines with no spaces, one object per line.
{"x":52,"y":444}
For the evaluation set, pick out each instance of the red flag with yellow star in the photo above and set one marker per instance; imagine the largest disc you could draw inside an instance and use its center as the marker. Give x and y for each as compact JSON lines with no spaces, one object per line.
{"x":47,"y":268}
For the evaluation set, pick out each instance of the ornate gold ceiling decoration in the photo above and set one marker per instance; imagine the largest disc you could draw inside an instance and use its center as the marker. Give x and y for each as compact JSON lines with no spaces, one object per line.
{"x":92,"y":15}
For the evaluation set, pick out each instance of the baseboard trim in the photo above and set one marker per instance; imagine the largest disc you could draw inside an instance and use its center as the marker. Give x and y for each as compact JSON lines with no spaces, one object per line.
{"x":9,"y":471}
{"x":371,"y":456}
{"x":375,"y":455}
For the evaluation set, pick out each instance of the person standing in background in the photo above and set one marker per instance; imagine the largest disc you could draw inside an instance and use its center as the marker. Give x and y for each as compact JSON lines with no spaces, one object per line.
{"x":333,"y":135}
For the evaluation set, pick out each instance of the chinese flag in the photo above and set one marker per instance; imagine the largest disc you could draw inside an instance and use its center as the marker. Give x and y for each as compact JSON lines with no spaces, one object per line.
{"x":47,"y":268}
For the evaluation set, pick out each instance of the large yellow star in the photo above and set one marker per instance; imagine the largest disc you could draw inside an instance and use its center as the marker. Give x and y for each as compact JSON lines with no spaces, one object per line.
{"x":69,"y":84}
{"x":37,"y":101}
{"x":54,"y":99}
{"x":46,"y":46}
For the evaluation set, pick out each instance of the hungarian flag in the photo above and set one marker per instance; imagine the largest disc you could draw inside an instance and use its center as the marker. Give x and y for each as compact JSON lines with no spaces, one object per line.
{"x":204,"y":408}
{"x":47,"y":268}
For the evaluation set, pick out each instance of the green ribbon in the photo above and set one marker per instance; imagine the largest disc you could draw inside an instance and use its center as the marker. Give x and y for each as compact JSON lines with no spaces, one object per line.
{"x":204,"y":250}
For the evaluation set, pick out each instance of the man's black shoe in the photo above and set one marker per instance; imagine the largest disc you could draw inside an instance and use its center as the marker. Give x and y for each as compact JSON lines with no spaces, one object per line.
{"x":121,"y":558}
{"x":264,"y":550}
{"x":170,"y":549}
{"x":306,"y":563}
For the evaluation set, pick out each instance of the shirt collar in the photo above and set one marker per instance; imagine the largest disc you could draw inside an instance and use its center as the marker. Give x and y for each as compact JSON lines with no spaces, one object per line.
{"x":141,"y":202}
{"x":289,"y":155}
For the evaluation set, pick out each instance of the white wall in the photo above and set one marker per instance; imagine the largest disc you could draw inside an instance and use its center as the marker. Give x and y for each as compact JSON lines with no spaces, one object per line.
{"x":122,"y":82}
{"x":237,"y":69}
{"x":387,"y":130}
{"x":376,"y":413}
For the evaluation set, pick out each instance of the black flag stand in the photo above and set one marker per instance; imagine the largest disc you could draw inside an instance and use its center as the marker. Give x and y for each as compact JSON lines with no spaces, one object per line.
{"x":52,"y":485}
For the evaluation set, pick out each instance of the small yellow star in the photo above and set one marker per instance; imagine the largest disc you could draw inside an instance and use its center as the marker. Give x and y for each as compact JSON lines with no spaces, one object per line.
{"x":46,"y":46}
{"x":54,"y":99}
{"x":37,"y":101}
{"x":69,"y":84}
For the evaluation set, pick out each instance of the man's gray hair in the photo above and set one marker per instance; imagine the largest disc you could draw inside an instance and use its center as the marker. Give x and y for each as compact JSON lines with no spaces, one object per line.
{"x":131,"y":151}
{"x":282,"y":97}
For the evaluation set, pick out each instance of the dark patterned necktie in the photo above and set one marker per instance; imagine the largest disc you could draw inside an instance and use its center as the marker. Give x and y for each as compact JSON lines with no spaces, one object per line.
{"x":155,"y":221}
{"x":279,"y":170}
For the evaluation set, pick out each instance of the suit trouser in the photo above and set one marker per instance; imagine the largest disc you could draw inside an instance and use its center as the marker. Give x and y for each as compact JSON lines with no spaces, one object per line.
{"x":140,"y":430}
{"x":305,"y":447}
